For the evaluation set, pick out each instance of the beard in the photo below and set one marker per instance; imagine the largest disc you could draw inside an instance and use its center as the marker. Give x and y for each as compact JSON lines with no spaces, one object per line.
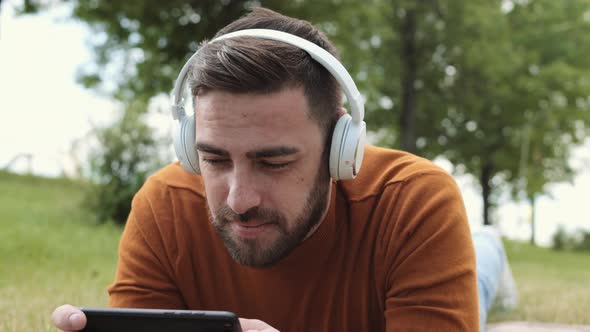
{"x":258,"y":252}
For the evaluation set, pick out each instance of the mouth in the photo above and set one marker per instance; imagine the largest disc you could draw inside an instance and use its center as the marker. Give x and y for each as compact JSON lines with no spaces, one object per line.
{"x":251,"y":229}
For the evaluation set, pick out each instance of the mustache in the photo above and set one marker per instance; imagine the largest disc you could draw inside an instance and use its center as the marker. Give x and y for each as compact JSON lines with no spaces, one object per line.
{"x":226,"y":214}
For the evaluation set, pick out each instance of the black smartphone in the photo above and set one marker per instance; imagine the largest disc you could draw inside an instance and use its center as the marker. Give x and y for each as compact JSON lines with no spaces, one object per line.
{"x":157,"y":320}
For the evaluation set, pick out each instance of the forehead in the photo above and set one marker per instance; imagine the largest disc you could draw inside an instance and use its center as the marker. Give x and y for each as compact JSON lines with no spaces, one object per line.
{"x":242,"y":119}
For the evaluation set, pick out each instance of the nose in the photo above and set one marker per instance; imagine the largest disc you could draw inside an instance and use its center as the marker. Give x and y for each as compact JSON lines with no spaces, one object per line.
{"x":243,"y":193}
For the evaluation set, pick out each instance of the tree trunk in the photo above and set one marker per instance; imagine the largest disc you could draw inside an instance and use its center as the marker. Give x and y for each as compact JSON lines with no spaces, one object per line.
{"x":532,"y":201}
{"x":486,"y":188}
{"x":409,"y":73}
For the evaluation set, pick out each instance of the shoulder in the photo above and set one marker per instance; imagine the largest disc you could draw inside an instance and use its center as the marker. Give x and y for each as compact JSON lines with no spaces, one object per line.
{"x":401,"y":195}
{"x":168,"y":197}
{"x":173,"y":177}
{"x":386,"y":169}
{"x":397,"y":193}
{"x":415,"y":211}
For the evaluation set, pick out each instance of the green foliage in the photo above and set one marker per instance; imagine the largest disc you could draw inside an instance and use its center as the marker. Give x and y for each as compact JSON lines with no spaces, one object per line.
{"x":499,"y":88}
{"x":578,"y":240}
{"x":148,"y":41}
{"x":585,"y":241}
{"x":561,"y":239}
{"x":128,"y":152}
{"x":140,"y":46}
{"x":553,"y":88}
{"x":490,"y":79}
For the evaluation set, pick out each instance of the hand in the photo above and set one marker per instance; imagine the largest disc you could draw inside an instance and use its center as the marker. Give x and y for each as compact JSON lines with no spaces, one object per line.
{"x":255,"y":325}
{"x":68,"y":318}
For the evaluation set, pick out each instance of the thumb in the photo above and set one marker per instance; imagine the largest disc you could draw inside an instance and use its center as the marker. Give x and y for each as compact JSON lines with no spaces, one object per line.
{"x":255,"y":325}
{"x":68,"y":318}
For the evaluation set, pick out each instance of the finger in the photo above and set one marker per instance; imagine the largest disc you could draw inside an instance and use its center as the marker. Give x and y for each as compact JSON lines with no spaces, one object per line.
{"x":255,"y":325}
{"x":68,"y":318}
{"x":252,"y":324}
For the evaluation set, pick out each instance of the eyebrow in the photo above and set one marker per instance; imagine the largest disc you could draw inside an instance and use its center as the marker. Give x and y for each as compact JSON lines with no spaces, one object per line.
{"x":204,"y":147}
{"x":277,"y":151}
{"x":270,"y":152}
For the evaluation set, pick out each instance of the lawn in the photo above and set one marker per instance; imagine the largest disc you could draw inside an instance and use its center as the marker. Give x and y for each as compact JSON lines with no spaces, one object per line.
{"x":52,"y":253}
{"x":554,"y":286}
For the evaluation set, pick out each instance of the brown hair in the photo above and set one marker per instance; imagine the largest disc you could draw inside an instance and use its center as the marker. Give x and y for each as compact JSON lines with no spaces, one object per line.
{"x":255,"y":65}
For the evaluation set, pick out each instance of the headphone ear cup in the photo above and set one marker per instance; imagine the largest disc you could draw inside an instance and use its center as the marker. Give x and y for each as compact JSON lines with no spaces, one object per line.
{"x":184,"y":145}
{"x":347,"y":149}
{"x":337,"y":144}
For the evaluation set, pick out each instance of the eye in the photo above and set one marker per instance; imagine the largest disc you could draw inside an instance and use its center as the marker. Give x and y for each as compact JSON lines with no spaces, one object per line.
{"x":274,"y":165}
{"x":215,"y":161}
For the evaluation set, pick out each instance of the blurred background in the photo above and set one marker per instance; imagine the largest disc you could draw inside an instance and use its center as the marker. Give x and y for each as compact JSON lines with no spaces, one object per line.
{"x":495,"y":92}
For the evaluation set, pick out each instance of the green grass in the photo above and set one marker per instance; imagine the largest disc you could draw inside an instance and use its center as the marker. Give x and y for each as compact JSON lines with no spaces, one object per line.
{"x":50,"y":251}
{"x":554,"y":286}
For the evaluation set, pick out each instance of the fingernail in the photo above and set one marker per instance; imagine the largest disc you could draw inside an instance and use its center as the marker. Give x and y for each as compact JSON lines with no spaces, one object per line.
{"x":75,"y":319}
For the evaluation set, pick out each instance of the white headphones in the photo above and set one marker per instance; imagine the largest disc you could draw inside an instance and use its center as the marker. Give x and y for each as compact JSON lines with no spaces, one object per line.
{"x":348,"y":138}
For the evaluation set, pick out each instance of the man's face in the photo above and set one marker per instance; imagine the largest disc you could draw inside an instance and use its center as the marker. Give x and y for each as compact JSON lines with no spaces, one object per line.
{"x":261,"y":161}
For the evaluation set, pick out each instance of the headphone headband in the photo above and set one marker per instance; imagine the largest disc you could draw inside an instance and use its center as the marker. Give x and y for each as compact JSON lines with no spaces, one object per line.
{"x":327,"y":60}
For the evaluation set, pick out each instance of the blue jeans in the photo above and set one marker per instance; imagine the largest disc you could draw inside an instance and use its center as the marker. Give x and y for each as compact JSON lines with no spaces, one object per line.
{"x":490,"y":262}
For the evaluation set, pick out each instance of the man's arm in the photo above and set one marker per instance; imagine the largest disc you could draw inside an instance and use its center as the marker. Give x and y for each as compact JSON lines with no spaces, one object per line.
{"x":144,"y":277}
{"x":429,"y":261}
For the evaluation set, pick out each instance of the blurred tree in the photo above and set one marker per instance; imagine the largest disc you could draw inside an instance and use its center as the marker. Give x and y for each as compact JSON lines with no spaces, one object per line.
{"x":578,"y":239}
{"x":471,"y":130}
{"x":555,"y":89}
{"x":140,"y":46}
{"x":470,"y":81}
{"x":128,"y":151}
{"x":434,"y":73}
{"x":475,"y":75}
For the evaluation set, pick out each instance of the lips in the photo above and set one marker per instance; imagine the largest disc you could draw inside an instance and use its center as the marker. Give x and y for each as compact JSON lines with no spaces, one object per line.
{"x":251,"y":229}
{"x":251,"y":224}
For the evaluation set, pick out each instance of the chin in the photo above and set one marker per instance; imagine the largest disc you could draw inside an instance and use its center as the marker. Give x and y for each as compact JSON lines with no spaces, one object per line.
{"x":260,"y":252}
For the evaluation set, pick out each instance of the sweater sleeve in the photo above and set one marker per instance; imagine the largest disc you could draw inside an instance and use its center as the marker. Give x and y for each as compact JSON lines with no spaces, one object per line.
{"x":144,"y":276}
{"x":428,"y":257}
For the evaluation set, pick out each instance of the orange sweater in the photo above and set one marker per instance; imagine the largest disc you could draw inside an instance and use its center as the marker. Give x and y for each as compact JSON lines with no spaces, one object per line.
{"x":394,"y":253}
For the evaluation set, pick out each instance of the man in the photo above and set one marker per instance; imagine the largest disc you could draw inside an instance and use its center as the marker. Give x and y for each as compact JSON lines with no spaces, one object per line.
{"x":266,"y":233}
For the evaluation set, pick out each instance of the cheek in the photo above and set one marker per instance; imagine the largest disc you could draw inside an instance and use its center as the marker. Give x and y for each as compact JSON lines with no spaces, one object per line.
{"x":290,"y":196}
{"x":216,"y":194}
